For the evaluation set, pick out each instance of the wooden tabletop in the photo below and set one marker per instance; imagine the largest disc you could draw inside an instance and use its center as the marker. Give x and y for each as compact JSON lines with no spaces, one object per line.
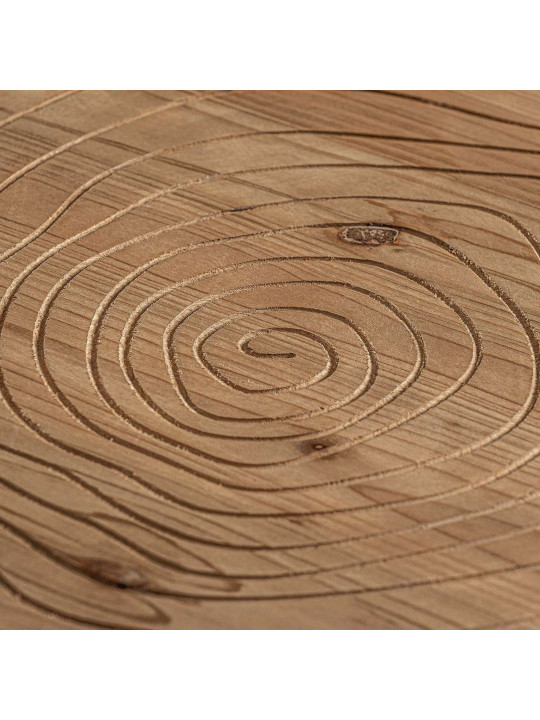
{"x":269,"y":359}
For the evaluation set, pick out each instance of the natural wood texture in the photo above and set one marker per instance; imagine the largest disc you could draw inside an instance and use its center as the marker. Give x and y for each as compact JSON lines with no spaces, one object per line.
{"x":230,"y":401}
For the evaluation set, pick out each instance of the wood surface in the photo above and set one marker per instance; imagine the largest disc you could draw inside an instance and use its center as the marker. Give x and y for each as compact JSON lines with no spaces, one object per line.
{"x":269,"y":359}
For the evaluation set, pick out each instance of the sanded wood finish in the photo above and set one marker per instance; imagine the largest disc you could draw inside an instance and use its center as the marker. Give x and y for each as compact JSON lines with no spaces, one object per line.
{"x":269,"y":360}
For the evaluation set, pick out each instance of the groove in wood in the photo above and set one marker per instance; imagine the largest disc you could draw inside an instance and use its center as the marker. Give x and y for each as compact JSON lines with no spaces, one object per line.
{"x":269,"y":359}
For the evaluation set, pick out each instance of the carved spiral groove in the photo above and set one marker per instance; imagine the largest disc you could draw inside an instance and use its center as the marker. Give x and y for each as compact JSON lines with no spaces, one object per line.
{"x":264,"y":376}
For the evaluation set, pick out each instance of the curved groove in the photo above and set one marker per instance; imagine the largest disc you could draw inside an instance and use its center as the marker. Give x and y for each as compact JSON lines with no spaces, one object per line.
{"x":72,"y":143}
{"x":175,"y":375}
{"x":457,"y":108}
{"x":282,"y":596}
{"x":331,"y":365}
{"x":475,"y":335}
{"x":450,"y":493}
{"x":435,"y":202}
{"x":48,"y":610}
{"x":426,"y":463}
{"x":145,"y":553}
{"x":28,"y":111}
{"x":96,"y":179}
{"x":495,"y":213}
{"x":129,"y":329}
{"x":41,"y":361}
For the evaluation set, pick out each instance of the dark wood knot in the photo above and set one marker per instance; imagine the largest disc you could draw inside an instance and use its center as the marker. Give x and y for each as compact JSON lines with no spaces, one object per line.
{"x":115,"y":573}
{"x":368,"y":234}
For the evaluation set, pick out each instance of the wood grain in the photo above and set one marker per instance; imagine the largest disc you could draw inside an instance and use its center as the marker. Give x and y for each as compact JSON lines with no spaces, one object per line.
{"x":269,"y":359}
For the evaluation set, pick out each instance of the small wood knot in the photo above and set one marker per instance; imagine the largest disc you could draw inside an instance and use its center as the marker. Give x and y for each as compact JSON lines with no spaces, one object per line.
{"x":123,"y":576}
{"x":310,"y":446}
{"x":368,"y":234}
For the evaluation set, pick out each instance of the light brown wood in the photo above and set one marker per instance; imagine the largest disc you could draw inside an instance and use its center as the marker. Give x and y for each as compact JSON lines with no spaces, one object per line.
{"x":269,"y":360}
